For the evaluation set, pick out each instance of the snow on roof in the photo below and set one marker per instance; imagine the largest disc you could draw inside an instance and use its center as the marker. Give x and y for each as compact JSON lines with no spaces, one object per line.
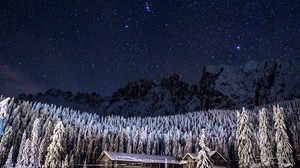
{"x":141,"y":158}
{"x":210,"y":153}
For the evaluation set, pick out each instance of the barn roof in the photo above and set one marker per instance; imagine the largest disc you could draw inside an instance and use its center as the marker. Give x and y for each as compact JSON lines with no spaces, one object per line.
{"x":140,"y":158}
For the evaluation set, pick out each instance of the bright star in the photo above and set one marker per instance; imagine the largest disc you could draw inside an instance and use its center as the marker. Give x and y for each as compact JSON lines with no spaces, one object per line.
{"x":238,"y":47}
{"x":148,"y":9}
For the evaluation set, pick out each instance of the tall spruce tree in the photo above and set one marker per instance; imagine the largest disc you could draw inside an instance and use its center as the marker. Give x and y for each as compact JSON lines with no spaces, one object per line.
{"x":9,"y":162}
{"x":245,"y":141}
{"x":21,"y":148}
{"x":283,"y":147}
{"x":5,"y":144}
{"x":56,"y":149}
{"x":3,"y":114}
{"x":203,"y":160}
{"x":35,"y":135}
{"x":25,"y":157}
{"x":266,"y":156}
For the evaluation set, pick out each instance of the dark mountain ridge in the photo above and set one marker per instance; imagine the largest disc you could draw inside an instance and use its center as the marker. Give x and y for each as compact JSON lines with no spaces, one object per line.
{"x":220,"y":87}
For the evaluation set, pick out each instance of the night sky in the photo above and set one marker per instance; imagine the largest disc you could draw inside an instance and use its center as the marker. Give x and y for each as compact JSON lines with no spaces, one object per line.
{"x":100,"y":45}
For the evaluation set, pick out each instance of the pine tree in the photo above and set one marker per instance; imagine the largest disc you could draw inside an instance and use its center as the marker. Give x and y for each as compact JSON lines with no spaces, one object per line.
{"x":283,"y":146}
{"x":188,"y":143}
{"x":3,"y":114}
{"x":121,"y":142}
{"x":203,"y":160}
{"x":245,"y":141}
{"x":35,"y":134}
{"x":72,"y":162}
{"x":90,"y":147}
{"x":84,"y":164}
{"x":48,"y":129}
{"x":5,"y":144}
{"x":21,"y":148}
{"x":149,"y":143}
{"x":57,"y":147}
{"x":9,"y":162}
{"x":136,"y":140}
{"x":167,"y":143}
{"x":65,"y":163}
{"x":25,"y":157}
{"x":266,"y":156}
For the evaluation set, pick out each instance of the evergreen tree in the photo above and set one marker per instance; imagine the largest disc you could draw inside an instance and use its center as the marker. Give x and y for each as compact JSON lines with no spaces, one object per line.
{"x":35,"y":135}
{"x":21,"y":148}
{"x":65,"y":163}
{"x":3,"y":114}
{"x":57,"y":147}
{"x":25,"y":157}
{"x":48,"y":129}
{"x":283,"y":146}
{"x":203,"y":160}
{"x":9,"y":162}
{"x":149,"y":143}
{"x":188,"y":143}
{"x":167,"y":143}
{"x":72,"y":162}
{"x":121,"y":142}
{"x":5,"y":144}
{"x":245,"y":141}
{"x":266,"y":156}
{"x":84,"y":164}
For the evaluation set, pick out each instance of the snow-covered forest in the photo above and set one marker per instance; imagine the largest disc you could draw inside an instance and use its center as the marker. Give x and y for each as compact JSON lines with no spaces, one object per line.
{"x":36,"y":134}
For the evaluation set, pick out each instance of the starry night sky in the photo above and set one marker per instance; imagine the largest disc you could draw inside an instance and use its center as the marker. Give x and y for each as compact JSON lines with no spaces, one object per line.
{"x":100,"y":45}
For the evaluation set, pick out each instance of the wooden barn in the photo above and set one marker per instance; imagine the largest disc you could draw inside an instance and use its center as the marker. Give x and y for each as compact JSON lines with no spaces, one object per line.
{"x":130,"y":160}
{"x":189,"y":160}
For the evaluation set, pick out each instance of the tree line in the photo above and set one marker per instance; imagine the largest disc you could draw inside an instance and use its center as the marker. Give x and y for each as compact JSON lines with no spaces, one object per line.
{"x":42,"y":135}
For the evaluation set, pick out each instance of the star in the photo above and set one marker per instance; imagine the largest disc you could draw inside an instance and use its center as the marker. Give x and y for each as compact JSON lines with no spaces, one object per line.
{"x":85,"y":38}
{"x":148,"y":9}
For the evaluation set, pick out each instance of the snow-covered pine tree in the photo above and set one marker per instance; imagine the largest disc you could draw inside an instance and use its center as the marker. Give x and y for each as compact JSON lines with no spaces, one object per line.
{"x":21,"y":148}
{"x":5,"y":144}
{"x":3,"y":114}
{"x":121,"y":142}
{"x":136,"y":140}
{"x":266,"y":156}
{"x":57,"y":147}
{"x":142,"y":141}
{"x":25,"y":158}
{"x":203,"y":160}
{"x":65,"y":163}
{"x":129,"y":144}
{"x":155,"y":147}
{"x":35,"y":135}
{"x":84,"y":164}
{"x":188,"y":143}
{"x":48,"y":129}
{"x":90,"y":147}
{"x":9,"y":163}
{"x":72,"y":162}
{"x":245,"y":141}
{"x":167,"y":144}
{"x":149,"y":144}
{"x":283,"y":146}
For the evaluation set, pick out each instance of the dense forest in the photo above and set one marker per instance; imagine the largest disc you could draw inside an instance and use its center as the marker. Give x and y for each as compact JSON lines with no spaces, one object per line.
{"x":42,"y":135}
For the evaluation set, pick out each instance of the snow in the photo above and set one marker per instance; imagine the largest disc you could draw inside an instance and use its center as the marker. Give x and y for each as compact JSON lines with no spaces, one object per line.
{"x":226,"y":87}
{"x":3,"y":114}
{"x":210,"y":154}
{"x":142,"y":158}
{"x":250,"y":66}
